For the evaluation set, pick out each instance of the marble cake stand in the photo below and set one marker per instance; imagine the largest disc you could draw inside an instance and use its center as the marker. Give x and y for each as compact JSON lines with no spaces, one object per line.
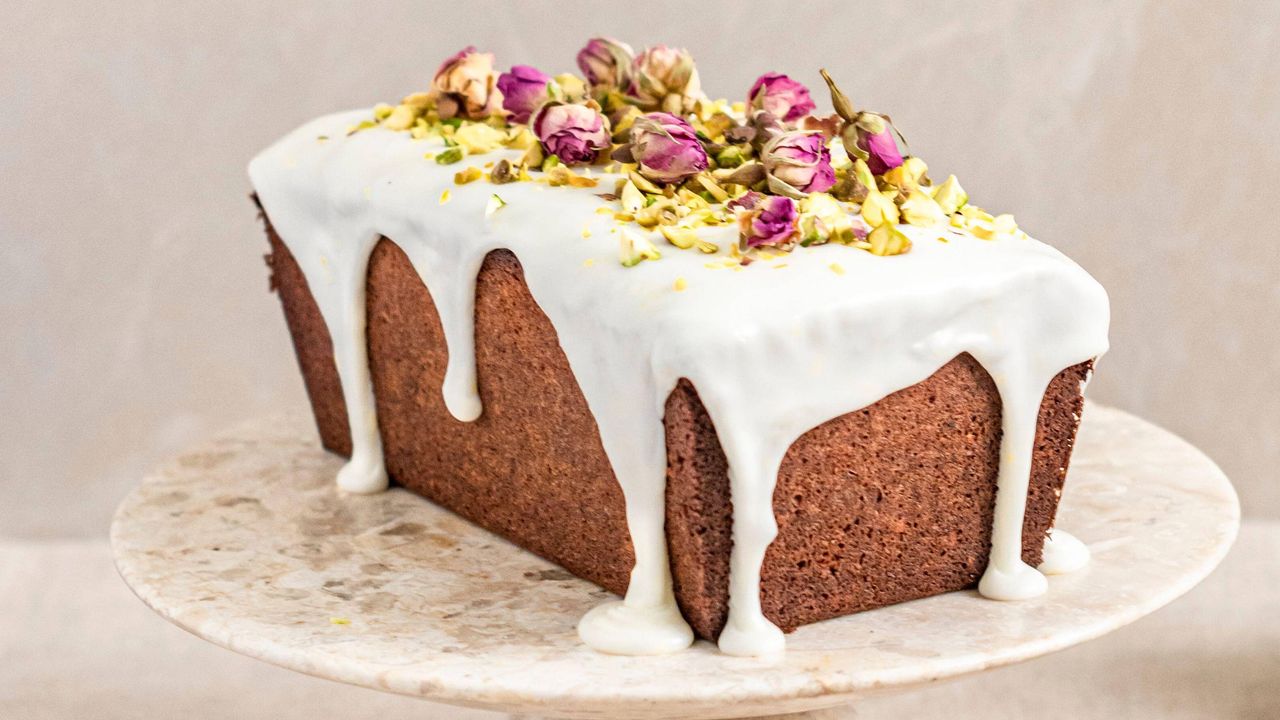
{"x":246,"y":543}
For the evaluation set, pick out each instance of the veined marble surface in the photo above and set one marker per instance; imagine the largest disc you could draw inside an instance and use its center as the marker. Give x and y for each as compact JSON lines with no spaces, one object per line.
{"x":245,"y":542}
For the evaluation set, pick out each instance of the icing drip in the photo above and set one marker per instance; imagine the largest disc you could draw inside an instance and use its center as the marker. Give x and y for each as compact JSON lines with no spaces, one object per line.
{"x":804,"y":342}
{"x":1063,"y":553}
{"x":1007,"y":577}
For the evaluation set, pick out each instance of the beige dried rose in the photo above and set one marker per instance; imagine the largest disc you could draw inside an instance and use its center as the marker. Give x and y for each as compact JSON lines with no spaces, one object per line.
{"x":466,"y":85}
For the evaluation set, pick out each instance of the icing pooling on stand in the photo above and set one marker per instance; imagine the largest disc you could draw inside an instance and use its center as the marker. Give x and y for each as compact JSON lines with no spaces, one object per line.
{"x":807,"y":343}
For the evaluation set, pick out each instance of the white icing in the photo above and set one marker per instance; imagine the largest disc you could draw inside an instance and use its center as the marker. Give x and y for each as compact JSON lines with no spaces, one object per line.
{"x":1063,"y":553}
{"x":773,"y":350}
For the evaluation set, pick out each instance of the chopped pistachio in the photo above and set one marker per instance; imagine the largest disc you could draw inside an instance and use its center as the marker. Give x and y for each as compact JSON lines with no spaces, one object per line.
{"x":622,"y":128}
{"x":570,"y":86}
{"x":449,"y":156}
{"x":502,"y":173}
{"x":471,"y":174}
{"x":950,"y":196}
{"x":643,"y":183}
{"x":588,"y":262}
{"x":836,"y":268}
{"x":636,"y":249}
{"x":683,"y":238}
{"x":693,"y":200}
{"x":339,"y":621}
{"x":823,"y":219}
{"x":921,"y":210}
{"x":973,"y":212}
{"x":912,"y":173}
{"x":631,"y":197}
{"x":713,"y":187}
{"x":558,"y":175}
{"x":401,"y":118}
{"x":658,"y":211}
{"x":478,"y":138}
{"x":420,"y":130}
{"x":419,"y":100}
{"x":680,"y":285}
{"x":706,"y":247}
{"x":878,"y":209}
{"x":532,"y":156}
{"x":730,"y":157}
{"x":982,"y":229}
{"x":445,"y":197}
{"x":382,"y":111}
{"x":549,"y":162}
{"x":520,"y":138}
{"x":1005,"y":224}
{"x":888,"y":240}
{"x":494,"y":205}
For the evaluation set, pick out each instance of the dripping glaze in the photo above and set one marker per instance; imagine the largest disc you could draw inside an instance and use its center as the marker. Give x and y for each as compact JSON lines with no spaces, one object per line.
{"x":760,"y":338}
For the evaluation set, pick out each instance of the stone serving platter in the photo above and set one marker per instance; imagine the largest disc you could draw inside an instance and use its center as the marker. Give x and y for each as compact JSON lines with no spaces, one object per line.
{"x":246,"y":543}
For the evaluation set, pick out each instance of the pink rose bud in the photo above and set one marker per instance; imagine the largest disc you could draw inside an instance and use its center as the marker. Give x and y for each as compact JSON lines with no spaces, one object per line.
{"x":573,"y":133}
{"x":466,"y":85}
{"x":877,"y":141}
{"x":606,"y":62}
{"x":866,"y":135}
{"x":771,"y":220}
{"x":666,"y":148}
{"x":523,"y":89}
{"x":780,"y":96}
{"x":664,"y":78}
{"x":799,"y":161}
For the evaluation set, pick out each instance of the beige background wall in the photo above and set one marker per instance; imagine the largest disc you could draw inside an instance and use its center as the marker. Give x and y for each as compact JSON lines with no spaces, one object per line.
{"x":1141,"y":138}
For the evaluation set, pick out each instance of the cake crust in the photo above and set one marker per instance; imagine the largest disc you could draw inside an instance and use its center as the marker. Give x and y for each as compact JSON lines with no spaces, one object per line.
{"x":880,"y":505}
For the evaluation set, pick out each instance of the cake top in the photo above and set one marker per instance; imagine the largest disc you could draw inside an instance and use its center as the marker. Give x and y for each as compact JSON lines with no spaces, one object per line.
{"x":792,"y":268}
{"x":677,"y":162}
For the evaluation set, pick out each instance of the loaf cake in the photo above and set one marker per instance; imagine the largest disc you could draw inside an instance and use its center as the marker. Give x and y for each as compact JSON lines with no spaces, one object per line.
{"x":746,"y":366}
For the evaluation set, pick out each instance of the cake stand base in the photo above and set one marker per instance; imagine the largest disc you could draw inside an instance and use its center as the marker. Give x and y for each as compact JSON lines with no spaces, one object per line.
{"x":245,"y":542}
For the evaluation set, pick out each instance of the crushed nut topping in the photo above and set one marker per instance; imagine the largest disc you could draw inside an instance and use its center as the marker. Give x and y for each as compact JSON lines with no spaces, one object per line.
{"x":680,"y":162}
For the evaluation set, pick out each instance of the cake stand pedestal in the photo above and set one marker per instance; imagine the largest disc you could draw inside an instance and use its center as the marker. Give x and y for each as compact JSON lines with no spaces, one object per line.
{"x":245,"y":542}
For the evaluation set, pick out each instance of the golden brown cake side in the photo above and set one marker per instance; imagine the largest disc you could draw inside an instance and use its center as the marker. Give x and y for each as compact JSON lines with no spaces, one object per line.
{"x":884,"y":504}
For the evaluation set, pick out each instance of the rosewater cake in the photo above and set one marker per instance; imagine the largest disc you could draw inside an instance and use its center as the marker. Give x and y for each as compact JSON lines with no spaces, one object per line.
{"x":747,"y":366}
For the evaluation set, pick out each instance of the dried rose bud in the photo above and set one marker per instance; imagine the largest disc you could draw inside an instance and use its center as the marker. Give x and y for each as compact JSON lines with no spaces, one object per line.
{"x":798,"y":163}
{"x":772,"y":220}
{"x":466,"y":85}
{"x":666,"y":148}
{"x":874,"y":137}
{"x":573,"y":133}
{"x":780,"y":96}
{"x":606,"y":62}
{"x":664,"y":78}
{"x":523,"y":89}
{"x":866,"y":135}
